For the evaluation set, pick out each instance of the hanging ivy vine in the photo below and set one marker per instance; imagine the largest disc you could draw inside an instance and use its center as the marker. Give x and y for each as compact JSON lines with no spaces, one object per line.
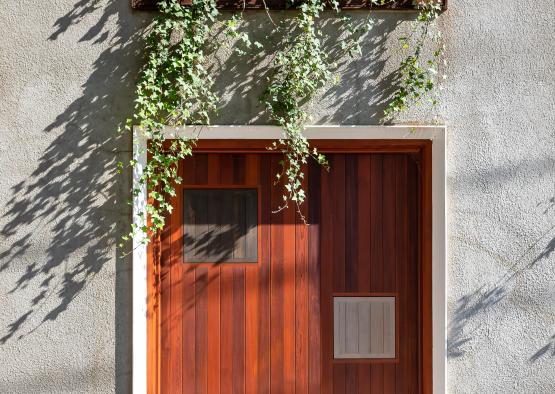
{"x":418,"y":73}
{"x":301,"y":69}
{"x":175,"y":89}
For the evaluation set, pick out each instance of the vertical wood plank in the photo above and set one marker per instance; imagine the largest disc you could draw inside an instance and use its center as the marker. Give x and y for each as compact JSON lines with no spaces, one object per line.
{"x":388,"y":225}
{"x":201,"y":330}
{"x":166,"y":344}
{"x":326,"y":262}
{"x":338,"y":241}
{"x":238,"y":331}
{"x":376,"y":378}
{"x":351,"y":223}
{"x":214,"y":300}
{"x":351,"y":259}
{"x":376,"y":235}
{"x":238,"y":298}
{"x":288,"y":305}
{"x":376,"y":256}
{"x":252,"y":300}
{"x":226,"y":299}
{"x":412,"y":309}
{"x":264,"y":277}
{"x":171,"y":349}
{"x":401,"y":237}
{"x":315,"y":357}
{"x":390,"y":196}
{"x":403,"y":369}
{"x":185,"y":287}
{"x":351,"y":379}
{"x":301,"y":297}
{"x":154,"y":261}
{"x":389,"y":379}
{"x":364,"y":252}
{"x":201,"y":286}
{"x":277,"y":285}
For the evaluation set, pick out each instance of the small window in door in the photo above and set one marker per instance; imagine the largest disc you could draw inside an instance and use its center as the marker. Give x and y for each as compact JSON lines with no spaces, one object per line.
{"x":364,"y":327}
{"x":220,"y":225}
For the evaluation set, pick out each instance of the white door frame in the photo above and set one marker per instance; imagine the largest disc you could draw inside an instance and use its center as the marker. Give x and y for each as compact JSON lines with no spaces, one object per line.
{"x":439,"y":252}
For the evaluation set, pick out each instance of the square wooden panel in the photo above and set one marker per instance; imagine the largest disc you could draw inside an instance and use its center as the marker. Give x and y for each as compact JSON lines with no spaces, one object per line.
{"x":220,"y":225}
{"x":364,"y":327}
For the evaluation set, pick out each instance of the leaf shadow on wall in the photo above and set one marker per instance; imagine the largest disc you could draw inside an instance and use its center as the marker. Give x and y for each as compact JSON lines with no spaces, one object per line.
{"x":365,"y":83}
{"x":548,"y":350}
{"x":73,"y":197}
{"x":465,"y":318}
{"x":360,"y":96}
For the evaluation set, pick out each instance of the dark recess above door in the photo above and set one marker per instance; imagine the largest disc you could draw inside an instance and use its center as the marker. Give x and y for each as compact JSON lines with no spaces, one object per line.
{"x":407,"y":5}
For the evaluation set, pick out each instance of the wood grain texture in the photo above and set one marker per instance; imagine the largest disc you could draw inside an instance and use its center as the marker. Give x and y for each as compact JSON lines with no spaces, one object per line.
{"x":214,"y":300}
{"x":365,"y":201}
{"x":264,"y":272}
{"x":314,"y":307}
{"x":182,"y":303}
{"x":252,"y":298}
{"x":301,"y":281}
{"x":226,"y":295}
{"x":326,"y":282}
{"x":268,"y":326}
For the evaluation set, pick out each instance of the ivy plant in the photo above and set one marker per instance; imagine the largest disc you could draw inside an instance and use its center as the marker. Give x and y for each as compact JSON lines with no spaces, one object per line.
{"x":418,"y":73}
{"x":301,"y":69}
{"x":175,"y":89}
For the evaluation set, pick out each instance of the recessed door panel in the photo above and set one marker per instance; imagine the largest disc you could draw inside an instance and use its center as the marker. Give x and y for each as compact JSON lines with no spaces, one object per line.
{"x":256,"y":302}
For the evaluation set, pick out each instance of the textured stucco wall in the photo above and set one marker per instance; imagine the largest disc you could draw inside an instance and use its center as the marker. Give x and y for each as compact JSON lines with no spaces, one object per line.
{"x":500,"y":110}
{"x":66,"y":80}
{"x":67,"y":70}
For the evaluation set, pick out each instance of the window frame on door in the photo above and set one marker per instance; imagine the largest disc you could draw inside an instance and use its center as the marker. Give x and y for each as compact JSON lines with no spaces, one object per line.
{"x":256,"y":187}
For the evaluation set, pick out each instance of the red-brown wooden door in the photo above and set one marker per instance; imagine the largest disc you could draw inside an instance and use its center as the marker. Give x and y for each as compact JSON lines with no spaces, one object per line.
{"x":267,"y":326}
{"x":368,"y":219}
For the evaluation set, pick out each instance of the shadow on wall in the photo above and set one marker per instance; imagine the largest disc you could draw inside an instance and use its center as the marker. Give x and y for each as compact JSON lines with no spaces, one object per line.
{"x":465,"y":318}
{"x":73,"y":192}
{"x":365,"y":84}
{"x":360,"y":97}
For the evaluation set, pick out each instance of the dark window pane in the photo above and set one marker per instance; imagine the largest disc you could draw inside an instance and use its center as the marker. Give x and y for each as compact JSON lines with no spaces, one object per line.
{"x":220,"y":225}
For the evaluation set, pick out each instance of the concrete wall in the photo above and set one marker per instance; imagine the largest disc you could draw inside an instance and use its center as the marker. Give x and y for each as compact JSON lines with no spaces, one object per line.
{"x":67,"y":71}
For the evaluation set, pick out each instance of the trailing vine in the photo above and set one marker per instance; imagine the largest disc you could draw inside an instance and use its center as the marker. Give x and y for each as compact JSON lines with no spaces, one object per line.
{"x":418,"y":75}
{"x":301,"y":69}
{"x":175,"y":89}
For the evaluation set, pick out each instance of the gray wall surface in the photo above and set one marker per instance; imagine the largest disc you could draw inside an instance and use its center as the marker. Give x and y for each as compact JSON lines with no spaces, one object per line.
{"x":67,"y":73}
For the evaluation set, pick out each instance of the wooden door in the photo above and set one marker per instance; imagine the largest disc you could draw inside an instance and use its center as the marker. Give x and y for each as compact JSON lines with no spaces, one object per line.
{"x":266,"y":325}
